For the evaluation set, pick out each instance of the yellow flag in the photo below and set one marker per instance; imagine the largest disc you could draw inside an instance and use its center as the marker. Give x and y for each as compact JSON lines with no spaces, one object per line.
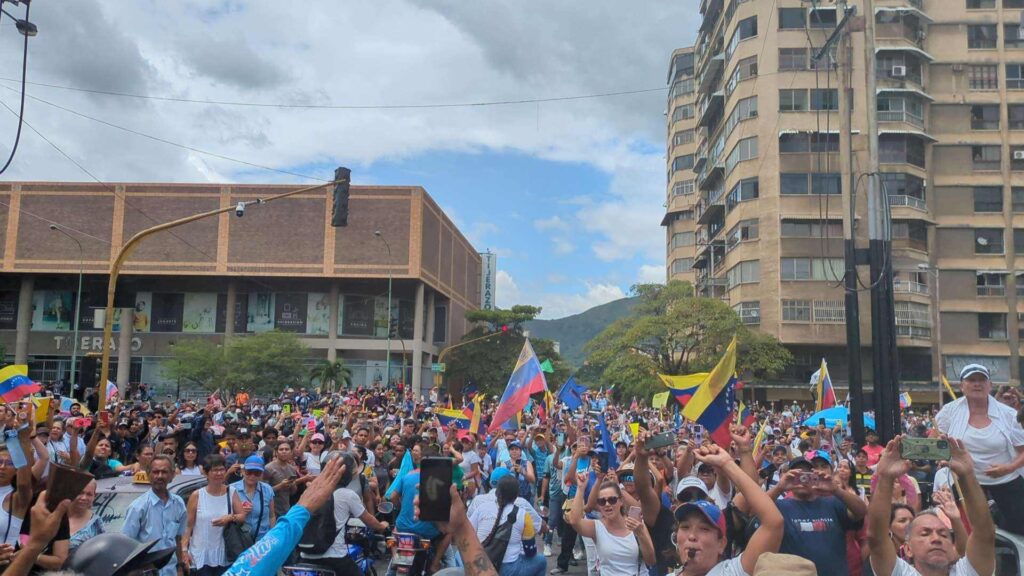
{"x":317,"y":413}
{"x":760,"y":434}
{"x":474,"y":422}
{"x":660,"y":400}
{"x":42,"y":408}
{"x":713,"y":386}
{"x":949,"y":388}
{"x":634,"y":428}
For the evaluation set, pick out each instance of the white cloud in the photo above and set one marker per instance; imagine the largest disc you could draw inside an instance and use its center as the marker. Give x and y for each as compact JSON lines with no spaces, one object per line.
{"x":552,"y":224}
{"x":651,"y":274}
{"x":507,"y":294}
{"x":562,"y":246}
{"x":562,"y":305}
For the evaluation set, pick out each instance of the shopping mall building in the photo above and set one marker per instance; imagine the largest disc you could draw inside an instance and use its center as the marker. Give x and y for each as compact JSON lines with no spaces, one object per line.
{"x":281,"y":266}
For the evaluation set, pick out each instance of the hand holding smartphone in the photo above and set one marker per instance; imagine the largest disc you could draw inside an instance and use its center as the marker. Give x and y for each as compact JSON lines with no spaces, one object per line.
{"x":435,"y":480}
{"x":634,"y":512}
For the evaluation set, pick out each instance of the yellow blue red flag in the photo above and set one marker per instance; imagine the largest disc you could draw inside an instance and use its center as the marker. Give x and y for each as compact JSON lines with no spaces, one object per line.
{"x":713,"y":403}
{"x":683,"y":387}
{"x":527,"y":378}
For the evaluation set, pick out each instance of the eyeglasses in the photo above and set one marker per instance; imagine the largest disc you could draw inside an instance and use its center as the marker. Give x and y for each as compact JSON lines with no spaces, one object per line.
{"x":609,"y":501}
{"x":187,"y":450}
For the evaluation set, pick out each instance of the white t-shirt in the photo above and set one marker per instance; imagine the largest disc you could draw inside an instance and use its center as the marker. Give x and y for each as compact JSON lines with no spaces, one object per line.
{"x":312,"y":463}
{"x":483,"y":515}
{"x":988,"y":448}
{"x":469,"y":457}
{"x":721,"y":499}
{"x":347,"y":504}
{"x":961,"y":568}
{"x":943,"y":479}
{"x":731,"y":567}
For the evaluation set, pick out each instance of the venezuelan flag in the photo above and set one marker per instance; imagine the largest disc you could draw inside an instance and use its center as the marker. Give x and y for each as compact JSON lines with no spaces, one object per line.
{"x":448,"y":415}
{"x":905,"y":400}
{"x":683,"y":387}
{"x":15,"y":383}
{"x":744,"y":416}
{"x":826,"y":394}
{"x":713,"y":403}
{"x":474,"y":420}
{"x":527,"y":378}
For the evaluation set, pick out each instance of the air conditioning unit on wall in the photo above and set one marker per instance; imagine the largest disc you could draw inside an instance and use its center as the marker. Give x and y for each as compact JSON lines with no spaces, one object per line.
{"x":898,"y":71}
{"x":1018,"y":154}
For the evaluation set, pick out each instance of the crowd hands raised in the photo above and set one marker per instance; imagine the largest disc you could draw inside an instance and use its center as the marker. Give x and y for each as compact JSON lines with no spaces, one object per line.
{"x":790,"y":498}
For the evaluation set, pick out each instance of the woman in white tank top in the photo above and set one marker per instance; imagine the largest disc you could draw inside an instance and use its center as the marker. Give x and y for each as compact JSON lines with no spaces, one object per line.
{"x":208,"y":513}
{"x":624,"y":547}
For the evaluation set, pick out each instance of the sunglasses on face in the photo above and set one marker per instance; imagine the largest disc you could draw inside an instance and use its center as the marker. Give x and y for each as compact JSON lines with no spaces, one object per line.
{"x":187,"y":450}
{"x":609,"y":501}
{"x":254,"y":472}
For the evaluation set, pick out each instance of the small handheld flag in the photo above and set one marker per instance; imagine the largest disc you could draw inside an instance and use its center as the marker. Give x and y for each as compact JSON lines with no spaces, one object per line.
{"x":527,"y":378}
{"x":15,"y":383}
{"x":826,"y":394}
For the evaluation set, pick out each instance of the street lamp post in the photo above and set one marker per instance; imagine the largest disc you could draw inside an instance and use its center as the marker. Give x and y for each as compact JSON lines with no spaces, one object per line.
{"x":387,"y":362}
{"x":934,"y":272}
{"x":78,"y":305}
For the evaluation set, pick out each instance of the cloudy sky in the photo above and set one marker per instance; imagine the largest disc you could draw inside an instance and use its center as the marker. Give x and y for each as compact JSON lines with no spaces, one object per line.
{"x":569,"y":193}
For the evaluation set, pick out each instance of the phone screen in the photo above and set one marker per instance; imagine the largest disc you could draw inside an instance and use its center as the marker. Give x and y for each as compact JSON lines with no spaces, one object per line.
{"x":821,"y":421}
{"x":634,"y":512}
{"x":435,"y":479}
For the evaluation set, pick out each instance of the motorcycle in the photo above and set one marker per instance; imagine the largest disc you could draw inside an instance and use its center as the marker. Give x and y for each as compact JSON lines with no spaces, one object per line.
{"x":410,"y":554}
{"x":363,"y":543}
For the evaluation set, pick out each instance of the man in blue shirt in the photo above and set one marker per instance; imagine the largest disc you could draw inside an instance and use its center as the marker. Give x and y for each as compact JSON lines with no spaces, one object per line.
{"x":404,"y":497}
{"x":158,"y":514}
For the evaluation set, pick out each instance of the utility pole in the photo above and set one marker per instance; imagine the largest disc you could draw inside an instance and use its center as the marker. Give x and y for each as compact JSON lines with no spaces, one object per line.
{"x":844,"y":57}
{"x":885,"y":358}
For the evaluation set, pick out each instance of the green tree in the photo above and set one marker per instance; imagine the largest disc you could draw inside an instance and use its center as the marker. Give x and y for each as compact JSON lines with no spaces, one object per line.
{"x":331,"y":374}
{"x":671,"y":331}
{"x":264,"y":362}
{"x":490,"y":362}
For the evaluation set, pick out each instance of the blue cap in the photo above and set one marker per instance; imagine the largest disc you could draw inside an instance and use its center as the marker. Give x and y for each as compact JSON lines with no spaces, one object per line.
{"x":254,"y":462}
{"x":712,"y":513}
{"x":498,"y":474}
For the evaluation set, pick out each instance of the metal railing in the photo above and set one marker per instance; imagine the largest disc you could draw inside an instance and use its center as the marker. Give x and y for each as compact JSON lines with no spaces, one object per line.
{"x":901,"y":116}
{"x":994,"y":290}
{"x":910,"y":201}
{"x":909,"y":287}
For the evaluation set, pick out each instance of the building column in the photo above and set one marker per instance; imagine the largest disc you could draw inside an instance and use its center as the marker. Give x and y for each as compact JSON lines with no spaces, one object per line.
{"x":332,"y":325}
{"x":429,"y":340}
{"x":124,"y":353}
{"x":229,"y":312}
{"x":417,"y":343}
{"x":24,"y":320}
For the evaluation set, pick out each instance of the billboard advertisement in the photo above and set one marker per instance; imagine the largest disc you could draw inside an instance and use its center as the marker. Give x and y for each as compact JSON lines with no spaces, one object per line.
{"x":240,"y":317}
{"x":290,"y":312}
{"x":200,"y":312}
{"x":318,"y":314}
{"x":52,"y":310}
{"x":167,"y":312}
{"x":260,"y":312}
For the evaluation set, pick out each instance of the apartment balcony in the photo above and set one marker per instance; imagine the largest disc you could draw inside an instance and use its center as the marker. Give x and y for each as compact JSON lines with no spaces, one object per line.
{"x":900,"y":286}
{"x":897,"y":200}
{"x":904,"y":116}
{"x":712,"y":71}
{"x":711,"y":106}
{"x":715,"y":207}
{"x":711,"y":11}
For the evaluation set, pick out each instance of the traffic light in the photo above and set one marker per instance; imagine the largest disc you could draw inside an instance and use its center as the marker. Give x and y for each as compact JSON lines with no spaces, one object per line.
{"x":504,"y":327}
{"x":339,"y":210}
{"x":393,"y":328}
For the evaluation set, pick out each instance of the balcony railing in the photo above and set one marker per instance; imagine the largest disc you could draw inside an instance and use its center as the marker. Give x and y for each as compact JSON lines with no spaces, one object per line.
{"x":898,"y":30}
{"x":913,"y":331}
{"x":910,"y":201}
{"x":909,"y":287}
{"x":901,"y":116}
{"x":994,"y":290}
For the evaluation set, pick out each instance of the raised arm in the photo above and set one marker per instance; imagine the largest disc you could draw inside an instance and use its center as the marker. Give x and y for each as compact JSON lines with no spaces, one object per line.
{"x":583,"y":525}
{"x":890,"y":467}
{"x":982,"y":541}
{"x":650,"y":503}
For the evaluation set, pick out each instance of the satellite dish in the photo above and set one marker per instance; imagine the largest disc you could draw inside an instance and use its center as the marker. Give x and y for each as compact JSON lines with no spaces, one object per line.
{"x":982,"y":241}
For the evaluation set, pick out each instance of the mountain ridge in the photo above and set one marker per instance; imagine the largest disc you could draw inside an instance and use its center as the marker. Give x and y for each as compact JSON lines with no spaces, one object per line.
{"x":575,"y":331}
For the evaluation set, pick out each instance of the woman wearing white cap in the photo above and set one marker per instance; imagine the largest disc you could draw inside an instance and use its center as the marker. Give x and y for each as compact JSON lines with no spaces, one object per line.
{"x":994,"y":439}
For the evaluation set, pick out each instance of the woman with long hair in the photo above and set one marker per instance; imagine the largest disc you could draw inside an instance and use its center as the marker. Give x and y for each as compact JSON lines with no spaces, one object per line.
{"x":143,"y":458}
{"x":98,"y":459}
{"x":188,"y":461}
{"x":82,"y":523}
{"x":624,"y":546}
{"x":491,"y":511}
{"x":209,"y":511}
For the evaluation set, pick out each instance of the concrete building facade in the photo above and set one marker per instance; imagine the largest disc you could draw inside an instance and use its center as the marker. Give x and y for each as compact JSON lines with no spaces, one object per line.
{"x":282,"y":266}
{"x":754,"y":191}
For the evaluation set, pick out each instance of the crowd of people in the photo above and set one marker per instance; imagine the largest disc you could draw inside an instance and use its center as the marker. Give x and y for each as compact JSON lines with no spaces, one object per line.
{"x":640,"y":494}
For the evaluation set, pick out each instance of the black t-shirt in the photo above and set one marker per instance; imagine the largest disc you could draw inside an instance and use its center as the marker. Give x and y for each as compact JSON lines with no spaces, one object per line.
{"x":661,"y":537}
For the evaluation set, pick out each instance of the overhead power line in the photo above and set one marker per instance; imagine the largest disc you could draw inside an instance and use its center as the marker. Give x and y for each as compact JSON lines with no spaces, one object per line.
{"x":346,"y":106}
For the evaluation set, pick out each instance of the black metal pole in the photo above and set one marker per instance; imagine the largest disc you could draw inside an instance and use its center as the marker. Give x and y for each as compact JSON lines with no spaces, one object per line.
{"x":884,"y":353}
{"x":853,"y":348}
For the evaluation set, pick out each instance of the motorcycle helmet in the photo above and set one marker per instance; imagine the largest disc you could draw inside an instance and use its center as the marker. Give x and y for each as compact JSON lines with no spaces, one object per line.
{"x":114,"y":554}
{"x":349,"y":460}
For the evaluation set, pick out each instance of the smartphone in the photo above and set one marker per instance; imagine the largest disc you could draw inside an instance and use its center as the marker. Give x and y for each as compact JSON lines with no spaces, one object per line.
{"x":186,"y":425}
{"x":105,"y":417}
{"x":821,"y":422}
{"x":311,"y":425}
{"x":64,"y":483}
{"x":561,"y":438}
{"x":698,"y":433}
{"x":660,"y":441}
{"x":924,"y":449}
{"x":82,"y":423}
{"x":807,"y":479}
{"x":435,"y":480}
{"x":634,"y":512}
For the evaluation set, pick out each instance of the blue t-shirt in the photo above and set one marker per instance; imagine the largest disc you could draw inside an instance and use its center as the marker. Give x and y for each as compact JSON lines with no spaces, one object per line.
{"x":540,"y":460}
{"x":405,"y":522}
{"x":816,"y":530}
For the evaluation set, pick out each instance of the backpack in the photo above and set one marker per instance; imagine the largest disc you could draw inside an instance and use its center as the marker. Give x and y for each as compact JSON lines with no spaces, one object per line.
{"x":321,"y":530}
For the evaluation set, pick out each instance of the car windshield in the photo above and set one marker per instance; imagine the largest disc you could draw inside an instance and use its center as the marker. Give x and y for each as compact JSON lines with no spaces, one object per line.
{"x":112,"y":506}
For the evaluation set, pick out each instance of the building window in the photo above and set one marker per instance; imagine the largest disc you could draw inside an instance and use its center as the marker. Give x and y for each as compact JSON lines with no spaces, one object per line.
{"x":828,"y":312}
{"x":1017,"y":199}
{"x":793,"y":100}
{"x":682,"y":137}
{"x":745,"y":149}
{"x":745,"y":109}
{"x":902,"y":184}
{"x":749,"y":312}
{"x":1015,"y":76}
{"x":991,"y":326}
{"x":684,"y":162}
{"x":792,"y":19}
{"x":744,"y":230}
{"x":682,"y":265}
{"x":988,"y":199}
{"x":983,"y":77}
{"x":1016,"y":158}
{"x":1012,"y":37}
{"x":746,"y":68}
{"x":986,"y":158}
{"x":682,"y":239}
{"x":901,"y":149}
{"x":794,"y":184}
{"x":824,"y":99}
{"x":747,"y":272}
{"x":792,"y":59}
{"x":827,"y":60}
{"x":1016,"y":116}
{"x":811,"y":229}
{"x":746,"y":28}
{"x":684,"y":188}
{"x":826,"y":183}
{"x":991,"y":284}
{"x":988,"y":240}
{"x":980,"y":4}
{"x":1013,"y":3}
{"x":743,"y":190}
{"x":822,"y":18}
{"x":1018,"y":241}
{"x":985,"y":117}
{"x":681,"y":88}
{"x":981,"y":37}
{"x":796,"y":310}
{"x":682,"y":112}
{"x":831,"y":269}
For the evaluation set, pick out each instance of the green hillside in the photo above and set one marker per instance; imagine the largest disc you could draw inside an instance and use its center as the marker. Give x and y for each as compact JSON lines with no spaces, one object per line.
{"x":573,"y":332}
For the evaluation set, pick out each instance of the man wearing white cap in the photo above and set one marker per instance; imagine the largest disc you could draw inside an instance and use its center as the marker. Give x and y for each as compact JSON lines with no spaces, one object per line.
{"x":995,"y":440}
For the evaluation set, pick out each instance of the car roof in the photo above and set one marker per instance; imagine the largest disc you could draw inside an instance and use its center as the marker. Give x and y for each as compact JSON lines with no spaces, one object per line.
{"x":123,"y":484}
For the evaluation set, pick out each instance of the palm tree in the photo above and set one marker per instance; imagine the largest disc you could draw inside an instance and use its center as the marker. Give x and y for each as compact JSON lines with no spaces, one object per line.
{"x":330,"y":374}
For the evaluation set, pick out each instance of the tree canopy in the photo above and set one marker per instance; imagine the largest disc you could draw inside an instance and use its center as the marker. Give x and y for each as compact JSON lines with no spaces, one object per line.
{"x":489,"y":362}
{"x":671,"y":331}
{"x":264,"y":362}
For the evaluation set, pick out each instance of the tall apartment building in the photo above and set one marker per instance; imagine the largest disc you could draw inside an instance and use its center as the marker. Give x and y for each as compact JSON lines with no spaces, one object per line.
{"x":754,"y":213}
